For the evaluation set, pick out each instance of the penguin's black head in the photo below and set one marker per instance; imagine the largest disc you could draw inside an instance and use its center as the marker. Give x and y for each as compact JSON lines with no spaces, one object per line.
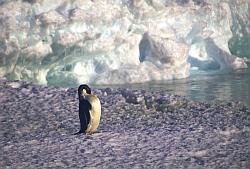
{"x":84,"y":87}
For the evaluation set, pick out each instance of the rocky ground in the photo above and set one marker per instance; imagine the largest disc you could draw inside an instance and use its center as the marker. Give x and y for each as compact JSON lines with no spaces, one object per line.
{"x":139,"y":129}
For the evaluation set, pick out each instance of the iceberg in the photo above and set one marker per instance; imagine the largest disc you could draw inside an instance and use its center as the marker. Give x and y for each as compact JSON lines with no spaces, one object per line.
{"x":68,"y":42}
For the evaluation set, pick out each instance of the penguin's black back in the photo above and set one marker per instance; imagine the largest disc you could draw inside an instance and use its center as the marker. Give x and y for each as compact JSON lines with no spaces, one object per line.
{"x":84,"y":114}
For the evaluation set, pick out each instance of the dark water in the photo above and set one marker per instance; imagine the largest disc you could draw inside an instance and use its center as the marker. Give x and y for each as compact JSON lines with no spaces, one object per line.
{"x":212,"y":86}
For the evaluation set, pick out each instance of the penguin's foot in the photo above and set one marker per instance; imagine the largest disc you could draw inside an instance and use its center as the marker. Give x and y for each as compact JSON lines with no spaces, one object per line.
{"x":79,"y":132}
{"x":89,"y":133}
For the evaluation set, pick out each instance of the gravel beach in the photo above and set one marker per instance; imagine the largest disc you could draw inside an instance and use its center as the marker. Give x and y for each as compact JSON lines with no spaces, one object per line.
{"x":139,"y":129}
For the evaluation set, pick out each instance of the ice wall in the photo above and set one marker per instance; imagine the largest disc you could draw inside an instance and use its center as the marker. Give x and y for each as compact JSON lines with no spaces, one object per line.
{"x":239,"y":44}
{"x":67,"y":42}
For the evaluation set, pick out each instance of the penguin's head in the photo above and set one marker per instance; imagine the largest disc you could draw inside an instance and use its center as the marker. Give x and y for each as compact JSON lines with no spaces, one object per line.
{"x":83,"y":90}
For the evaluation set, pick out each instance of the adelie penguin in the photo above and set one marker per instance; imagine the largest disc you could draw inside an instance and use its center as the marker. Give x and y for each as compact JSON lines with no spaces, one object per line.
{"x":89,"y":110}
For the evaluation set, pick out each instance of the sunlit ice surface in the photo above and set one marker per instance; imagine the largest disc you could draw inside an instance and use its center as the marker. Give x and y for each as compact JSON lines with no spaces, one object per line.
{"x":66,"y":43}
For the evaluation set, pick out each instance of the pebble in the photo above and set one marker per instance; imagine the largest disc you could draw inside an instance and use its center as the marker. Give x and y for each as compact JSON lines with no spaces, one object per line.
{"x":139,"y":129}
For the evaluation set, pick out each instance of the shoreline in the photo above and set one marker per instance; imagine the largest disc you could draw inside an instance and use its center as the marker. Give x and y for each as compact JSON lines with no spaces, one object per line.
{"x":139,"y":129}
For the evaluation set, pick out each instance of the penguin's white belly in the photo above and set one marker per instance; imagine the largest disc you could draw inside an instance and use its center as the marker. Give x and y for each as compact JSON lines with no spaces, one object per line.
{"x":95,"y":113}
